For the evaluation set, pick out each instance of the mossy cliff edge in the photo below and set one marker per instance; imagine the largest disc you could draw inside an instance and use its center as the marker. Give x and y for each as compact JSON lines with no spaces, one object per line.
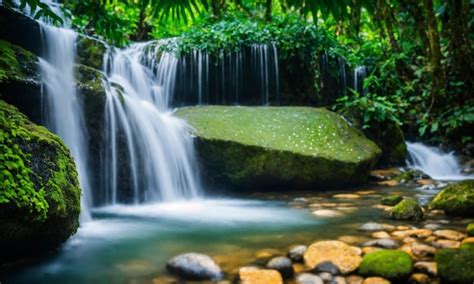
{"x":278,"y":146}
{"x":40,"y":193}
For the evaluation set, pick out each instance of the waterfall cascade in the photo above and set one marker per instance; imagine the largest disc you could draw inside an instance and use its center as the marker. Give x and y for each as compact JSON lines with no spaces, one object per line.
{"x":434,"y":162}
{"x":360,"y":72}
{"x":140,"y":126}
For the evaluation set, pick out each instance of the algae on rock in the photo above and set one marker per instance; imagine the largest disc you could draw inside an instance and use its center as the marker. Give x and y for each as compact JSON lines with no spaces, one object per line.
{"x":390,"y":264}
{"x":279,"y":146}
{"x":456,"y":199}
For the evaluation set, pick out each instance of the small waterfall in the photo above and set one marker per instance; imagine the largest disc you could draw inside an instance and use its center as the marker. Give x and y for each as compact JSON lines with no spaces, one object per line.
{"x":264,"y":62}
{"x":140,"y":126}
{"x":360,"y":72}
{"x":433,"y":162}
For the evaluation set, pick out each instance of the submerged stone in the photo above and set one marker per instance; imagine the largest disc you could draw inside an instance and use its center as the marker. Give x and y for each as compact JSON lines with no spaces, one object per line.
{"x":195,"y":266}
{"x":301,"y":147}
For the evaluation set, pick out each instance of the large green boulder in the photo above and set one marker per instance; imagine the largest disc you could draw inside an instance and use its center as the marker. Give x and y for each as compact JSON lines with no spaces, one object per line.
{"x":389,"y":137}
{"x":389,"y":264}
{"x":301,"y":147}
{"x":456,"y":199}
{"x":456,"y":265}
{"x":39,"y":192}
{"x":407,"y":209}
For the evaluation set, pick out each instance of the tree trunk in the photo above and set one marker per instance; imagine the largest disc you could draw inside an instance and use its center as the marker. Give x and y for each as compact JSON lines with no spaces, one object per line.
{"x":438,"y":79}
{"x":268,"y":11}
{"x":355,"y":18}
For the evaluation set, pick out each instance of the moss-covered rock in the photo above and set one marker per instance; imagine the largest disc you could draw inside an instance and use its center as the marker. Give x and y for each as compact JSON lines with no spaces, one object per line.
{"x":389,"y":264}
{"x":456,"y":265}
{"x":279,"y":146}
{"x":391,"y":200}
{"x":407,"y":209}
{"x":456,"y":199}
{"x":90,"y":51}
{"x":470,"y":229}
{"x":40,"y":194}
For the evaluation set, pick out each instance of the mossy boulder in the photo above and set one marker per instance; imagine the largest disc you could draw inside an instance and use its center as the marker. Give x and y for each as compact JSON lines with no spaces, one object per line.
{"x":40,"y":193}
{"x":407,"y":209}
{"x":456,"y":199}
{"x":90,"y":51}
{"x":470,"y":229}
{"x":391,"y":200}
{"x":456,"y":265}
{"x":301,"y":147}
{"x":389,"y":264}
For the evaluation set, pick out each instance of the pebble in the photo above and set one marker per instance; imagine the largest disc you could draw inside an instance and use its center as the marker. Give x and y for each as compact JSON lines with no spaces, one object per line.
{"x":372,"y":226}
{"x":421,"y":250}
{"x":308,"y":278}
{"x":296,"y":252}
{"x":367,"y":250}
{"x":282,"y":264}
{"x":419,"y":233}
{"x":449,"y":234}
{"x":427,"y":267}
{"x":383,"y":243}
{"x":253,"y":275}
{"x":328,"y":267}
{"x":354,"y":279}
{"x":194,"y":266}
{"x":339,"y":280}
{"x":327,"y":213}
{"x":432,"y":226}
{"x":380,"y":235}
{"x":325,"y":276}
{"x":298,"y":267}
{"x":352,"y":239}
{"x":375,"y":280}
{"x":446,"y":244}
{"x":469,"y":240}
{"x":346,"y":196}
{"x":345,"y":257}
{"x":409,"y":240}
{"x":419,"y":278}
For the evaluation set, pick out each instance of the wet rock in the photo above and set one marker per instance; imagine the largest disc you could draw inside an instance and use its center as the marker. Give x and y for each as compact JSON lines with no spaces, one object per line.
{"x":403,"y":228}
{"x":282,"y":264}
{"x":390,"y":183}
{"x":407,"y":209}
{"x":470,"y":229}
{"x":456,"y":199}
{"x":426,"y":267}
{"x":391,"y":200}
{"x":345,"y":257}
{"x":326,"y":276}
{"x":449,"y":234}
{"x":327,"y":213}
{"x":328,"y":267}
{"x":419,"y":278}
{"x":456,"y":265}
{"x":432,"y":226}
{"x":194,"y":266}
{"x":446,"y":244}
{"x":346,"y":196}
{"x":352,"y":239}
{"x":375,"y":280}
{"x":380,"y":235}
{"x":419,"y":233}
{"x":296,"y":252}
{"x":389,"y":264}
{"x":372,"y":226}
{"x":421,"y":250}
{"x":338,"y":280}
{"x":354,"y":279}
{"x":469,"y":240}
{"x":308,"y":278}
{"x":409,"y":240}
{"x":298,"y":268}
{"x":382,"y":243}
{"x":253,"y":275}
{"x":366,"y":250}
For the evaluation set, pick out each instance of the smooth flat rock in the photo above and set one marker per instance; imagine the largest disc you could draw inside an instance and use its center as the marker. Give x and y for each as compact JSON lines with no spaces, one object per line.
{"x":345,"y":257}
{"x":194,"y":266}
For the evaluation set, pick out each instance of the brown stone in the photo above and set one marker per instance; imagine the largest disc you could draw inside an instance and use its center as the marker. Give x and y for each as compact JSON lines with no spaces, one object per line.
{"x":380,"y":235}
{"x":446,"y":244}
{"x":449,"y":234}
{"x":419,"y":233}
{"x":407,"y":248}
{"x":469,"y":240}
{"x":367,"y":250}
{"x":298,"y":268}
{"x":375,"y":280}
{"x":342,"y":255}
{"x":409,"y":240}
{"x":425,"y":182}
{"x":391,"y":183}
{"x":327,"y":213}
{"x":421,"y":250}
{"x":346,"y":196}
{"x":428,"y":267}
{"x":403,"y":228}
{"x":419,"y":278}
{"x":352,"y":240}
{"x":253,"y":275}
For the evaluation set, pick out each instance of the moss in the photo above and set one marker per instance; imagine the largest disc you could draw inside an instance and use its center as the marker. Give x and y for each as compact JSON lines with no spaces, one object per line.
{"x":456,"y":265}
{"x":391,"y":200}
{"x":470,"y":229}
{"x":90,"y":52}
{"x":405,"y":176}
{"x":16,"y":64}
{"x":389,"y":264}
{"x":40,"y":205}
{"x":279,"y":146}
{"x":456,"y":199}
{"x":407,"y":209}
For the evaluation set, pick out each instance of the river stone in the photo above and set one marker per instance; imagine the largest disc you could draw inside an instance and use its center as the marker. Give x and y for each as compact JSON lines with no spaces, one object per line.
{"x":296,"y":252}
{"x":391,"y":200}
{"x":326,"y":276}
{"x":301,"y":147}
{"x":354,"y":279}
{"x":375,"y":280}
{"x":422,"y":250}
{"x":382,"y":243}
{"x":446,"y":244}
{"x":456,"y":265}
{"x":327,"y":213}
{"x":469,"y":240}
{"x":338,"y":280}
{"x":253,"y":275}
{"x":372,"y":226}
{"x":456,"y":199}
{"x":308,"y":278}
{"x":432,"y":226}
{"x":380,"y":235}
{"x":345,"y":257}
{"x":449,"y":234}
{"x":426,"y":267}
{"x":328,"y":267}
{"x":419,"y":278}
{"x":282,"y":264}
{"x":407,"y":209}
{"x":389,"y":264}
{"x":346,"y":196}
{"x":195,"y":266}
{"x":419,"y":233}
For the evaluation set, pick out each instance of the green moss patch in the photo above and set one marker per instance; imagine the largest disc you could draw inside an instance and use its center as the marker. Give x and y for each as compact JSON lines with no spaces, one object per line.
{"x":389,"y":264}
{"x":470,"y":229}
{"x":407,"y":209}
{"x":456,"y":199}
{"x":456,"y":265}
{"x":391,"y":200}
{"x":16,"y":64}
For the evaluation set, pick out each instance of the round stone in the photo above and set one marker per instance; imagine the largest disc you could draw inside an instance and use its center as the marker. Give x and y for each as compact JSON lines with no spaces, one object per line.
{"x":346,"y":258}
{"x":194,"y":266}
{"x":282,"y":264}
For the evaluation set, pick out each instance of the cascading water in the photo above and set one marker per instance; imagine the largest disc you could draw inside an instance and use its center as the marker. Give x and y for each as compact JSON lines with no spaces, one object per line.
{"x":140,"y":126}
{"x":435,"y":163}
{"x":360,"y":72}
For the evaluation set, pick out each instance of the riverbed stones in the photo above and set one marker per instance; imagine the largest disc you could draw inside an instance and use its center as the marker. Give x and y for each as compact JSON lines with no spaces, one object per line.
{"x":446,"y":244}
{"x":253,"y":275}
{"x":328,"y":267}
{"x":375,"y":280}
{"x":194,"y":266}
{"x":380,"y":235}
{"x":407,"y":209}
{"x":429,"y":267}
{"x":282,"y":264}
{"x":449,"y":234}
{"x":422,"y":250}
{"x":296,"y":252}
{"x":419,"y":233}
{"x":382,"y":243}
{"x":345,"y":257}
{"x":456,"y":199}
{"x":389,"y":264}
{"x":308,"y":278}
{"x":419,"y":278}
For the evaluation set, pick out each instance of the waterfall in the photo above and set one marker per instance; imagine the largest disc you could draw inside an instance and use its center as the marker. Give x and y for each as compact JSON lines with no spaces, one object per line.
{"x":360,"y":72}
{"x":140,"y":126}
{"x":263,"y":65}
{"x":435,"y":163}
